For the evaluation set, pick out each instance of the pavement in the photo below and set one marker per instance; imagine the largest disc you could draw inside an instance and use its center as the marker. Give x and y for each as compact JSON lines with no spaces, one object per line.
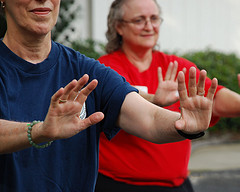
{"x":215,"y":164}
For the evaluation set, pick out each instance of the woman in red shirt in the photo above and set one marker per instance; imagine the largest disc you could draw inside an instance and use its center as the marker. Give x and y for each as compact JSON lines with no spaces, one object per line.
{"x":129,"y":163}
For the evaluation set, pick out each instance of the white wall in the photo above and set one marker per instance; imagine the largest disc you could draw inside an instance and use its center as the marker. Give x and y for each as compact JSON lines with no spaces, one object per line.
{"x":188,"y":24}
{"x":81,"y":24}
{"x":197,"y":24}
{"x":100,"y":12}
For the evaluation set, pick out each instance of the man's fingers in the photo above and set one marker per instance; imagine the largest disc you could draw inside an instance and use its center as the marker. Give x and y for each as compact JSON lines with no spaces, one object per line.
{"x":192,"y":82}
{"x":80,"y":84}
{"x":83,"y":94}
{"x":68,"y":89}
{"x":212,"y":89}
{"x":182,"y":86}
{"x":55,"y":98}
{"x":92,"y":119}
{"x":201,"y":83}
{"x":180,"y":124}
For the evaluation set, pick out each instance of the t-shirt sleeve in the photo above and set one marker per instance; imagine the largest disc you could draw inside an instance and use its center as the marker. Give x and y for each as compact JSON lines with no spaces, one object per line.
{"x":115,"y":91}
{"x":110,"y":94}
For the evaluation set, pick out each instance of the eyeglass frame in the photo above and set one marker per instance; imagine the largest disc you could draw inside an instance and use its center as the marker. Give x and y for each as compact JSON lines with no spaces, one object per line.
{"x":145,"y":21}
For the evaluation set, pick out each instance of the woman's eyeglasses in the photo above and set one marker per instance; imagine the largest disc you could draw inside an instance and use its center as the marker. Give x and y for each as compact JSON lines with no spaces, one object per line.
{"x":141,"y":22}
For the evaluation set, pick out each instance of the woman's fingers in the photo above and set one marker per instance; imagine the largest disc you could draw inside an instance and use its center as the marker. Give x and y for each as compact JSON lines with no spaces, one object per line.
{"x":171,"y":71}
{"x":160,"y":76}
{"x":174,"y":71}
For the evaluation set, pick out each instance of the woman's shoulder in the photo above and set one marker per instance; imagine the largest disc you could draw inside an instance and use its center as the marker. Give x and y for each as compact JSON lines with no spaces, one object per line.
{"x":113,"y":56}
{"x":165,"y":56}
{"x":170,"y":57}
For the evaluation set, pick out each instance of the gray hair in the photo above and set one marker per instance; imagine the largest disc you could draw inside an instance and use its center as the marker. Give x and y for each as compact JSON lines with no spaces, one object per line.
{"x":114,"y":16}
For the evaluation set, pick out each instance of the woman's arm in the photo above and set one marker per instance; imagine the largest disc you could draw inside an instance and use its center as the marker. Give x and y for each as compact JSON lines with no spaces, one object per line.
{"x":238,"y":77}
{"x":226,"y":103}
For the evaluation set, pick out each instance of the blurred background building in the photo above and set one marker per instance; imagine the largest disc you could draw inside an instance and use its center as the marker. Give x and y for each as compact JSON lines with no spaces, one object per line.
{"x":188,"y":24}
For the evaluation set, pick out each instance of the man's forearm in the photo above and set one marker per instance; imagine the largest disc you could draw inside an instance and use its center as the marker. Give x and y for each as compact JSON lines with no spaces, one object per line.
{"x":13,"y":136}
{"x":148,"y":121}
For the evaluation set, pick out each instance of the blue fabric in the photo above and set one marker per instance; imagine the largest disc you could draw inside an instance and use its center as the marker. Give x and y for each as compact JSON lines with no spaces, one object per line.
{"x":68,"y":165}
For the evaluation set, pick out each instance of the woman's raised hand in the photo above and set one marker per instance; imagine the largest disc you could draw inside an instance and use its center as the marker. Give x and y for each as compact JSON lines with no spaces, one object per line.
{"x":166,"y":93}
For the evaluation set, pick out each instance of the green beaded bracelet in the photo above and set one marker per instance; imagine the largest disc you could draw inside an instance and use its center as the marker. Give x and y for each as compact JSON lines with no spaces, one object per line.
{"x":30,"y":125}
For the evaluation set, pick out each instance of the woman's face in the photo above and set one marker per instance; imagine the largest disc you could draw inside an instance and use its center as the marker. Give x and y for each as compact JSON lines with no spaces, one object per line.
{"x":135,"y":35}
{"x":34,"y":16}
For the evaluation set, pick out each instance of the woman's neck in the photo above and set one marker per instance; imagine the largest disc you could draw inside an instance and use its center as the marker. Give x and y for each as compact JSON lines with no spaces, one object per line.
{"x":31,"y":49}
{"x":140,"y":58}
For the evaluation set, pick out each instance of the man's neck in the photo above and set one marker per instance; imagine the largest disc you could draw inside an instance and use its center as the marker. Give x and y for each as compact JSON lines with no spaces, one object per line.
{"x":31,"y":49}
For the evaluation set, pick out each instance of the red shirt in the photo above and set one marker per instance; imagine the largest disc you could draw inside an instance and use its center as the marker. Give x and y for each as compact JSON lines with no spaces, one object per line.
{"x":132,"y":160}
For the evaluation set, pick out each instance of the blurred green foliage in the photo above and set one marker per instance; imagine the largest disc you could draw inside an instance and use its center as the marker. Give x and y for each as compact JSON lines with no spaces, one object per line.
{"x":66,"y":15}
{"x":221,"y":65}
{"x":89,"y":47}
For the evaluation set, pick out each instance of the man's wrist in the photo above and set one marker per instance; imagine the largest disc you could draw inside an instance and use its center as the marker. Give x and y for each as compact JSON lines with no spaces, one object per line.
{"x":191,"y":136}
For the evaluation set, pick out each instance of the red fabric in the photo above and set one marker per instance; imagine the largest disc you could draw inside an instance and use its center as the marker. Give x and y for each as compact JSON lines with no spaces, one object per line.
{"x":132,"y":160}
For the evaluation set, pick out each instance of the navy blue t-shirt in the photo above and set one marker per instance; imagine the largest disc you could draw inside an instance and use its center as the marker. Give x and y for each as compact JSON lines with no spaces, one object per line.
{"x":68,"y":165}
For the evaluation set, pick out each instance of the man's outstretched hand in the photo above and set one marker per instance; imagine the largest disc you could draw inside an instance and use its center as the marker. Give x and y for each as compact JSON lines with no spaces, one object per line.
{"x":196,"y":109}
{"x":62,"y":120}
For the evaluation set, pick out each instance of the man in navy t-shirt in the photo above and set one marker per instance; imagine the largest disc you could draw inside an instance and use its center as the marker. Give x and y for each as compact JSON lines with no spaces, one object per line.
{"x":70,"y":164}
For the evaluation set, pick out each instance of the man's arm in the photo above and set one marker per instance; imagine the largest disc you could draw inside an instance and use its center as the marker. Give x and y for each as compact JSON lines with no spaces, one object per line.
{"x":137,"y":116}
{"x":158,"y":125}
